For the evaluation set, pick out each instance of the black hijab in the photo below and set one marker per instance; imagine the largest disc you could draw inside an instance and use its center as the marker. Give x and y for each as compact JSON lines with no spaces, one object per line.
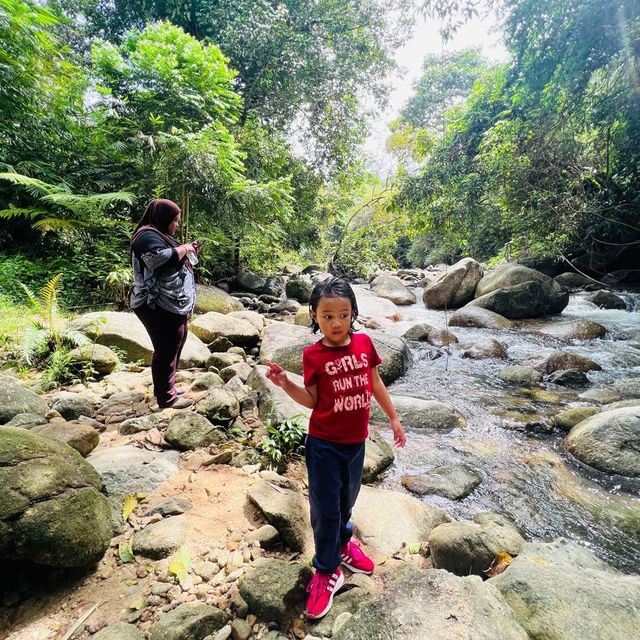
{"x":159,"y":214}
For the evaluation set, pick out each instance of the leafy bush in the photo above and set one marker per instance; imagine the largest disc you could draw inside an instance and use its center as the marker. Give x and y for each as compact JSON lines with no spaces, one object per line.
{"x":284,"y":441}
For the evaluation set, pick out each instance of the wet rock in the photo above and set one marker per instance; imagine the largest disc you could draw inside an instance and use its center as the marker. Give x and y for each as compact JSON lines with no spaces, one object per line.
{"x":119,"y":631}
{"x":285,"y":508}
{"x":600,"y":396}
{"x":210,"y":298}
{"x":480,"y":318}
{"x":188,"y":431}
{"x":210,"y":326}
{"x":622,"y":404}
{"x":15,"y":399}
{"x":509,"y":274}
{"x":454,"y":286}
{"x":188,"y":621}
{"x":26,"y":420}
{"x":485,"y":349}
{"x":219,"y":405}
{"x":52,"y":511}
{"x":569,"y":378}
{"x":520,"y":375}
{"x":274,"y":589}
{"x":378,"y":456}
{"x":247,"y":281}
{"x":433,"y":335}
{"x":81,"y":437}
{"x":572,"y":330}
{"x":392,"y":288}
{"x":571,"y":417}
{"x":561,"y":590}
{"x":421,"y":414}
{"x":558,"y":360}
{"x":160,"y":539}
{"x":573,"y":281}
{"x":609,"y":441}
{"x":607,"y":300}
{"x":466,"y":548}
{"x":449,"y":607}
{"x":385,"y":520}
{"x":102,"y":360}
{"x":126,"y":332}
{"x":454,"y":481}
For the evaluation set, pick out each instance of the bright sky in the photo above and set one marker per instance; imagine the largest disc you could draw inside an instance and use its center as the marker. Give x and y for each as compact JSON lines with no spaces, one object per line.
{"x":480,"y":32}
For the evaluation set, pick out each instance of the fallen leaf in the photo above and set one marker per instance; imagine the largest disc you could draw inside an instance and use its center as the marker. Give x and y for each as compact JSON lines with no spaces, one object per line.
{"x":129,"y":505}
{"x":137,"y":604}
{"x":126,"y":552}
{"x":179,"y":565}
{"x":499,"y":564}
{"x":414,"y":547}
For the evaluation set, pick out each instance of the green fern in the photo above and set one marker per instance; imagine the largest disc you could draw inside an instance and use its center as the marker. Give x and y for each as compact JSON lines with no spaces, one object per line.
{"x":34,"y":187}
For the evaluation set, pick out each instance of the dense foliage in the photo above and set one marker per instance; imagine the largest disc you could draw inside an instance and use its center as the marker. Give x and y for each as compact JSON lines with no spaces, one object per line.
{"x":542,"y":158}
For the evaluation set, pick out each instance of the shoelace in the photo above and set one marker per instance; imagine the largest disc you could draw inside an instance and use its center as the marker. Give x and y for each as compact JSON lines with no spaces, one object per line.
{"x":322,"y":581}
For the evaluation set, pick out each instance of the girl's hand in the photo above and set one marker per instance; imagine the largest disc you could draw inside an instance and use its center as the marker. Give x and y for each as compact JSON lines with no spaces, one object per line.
{"x":399,"y":437}
{"x":277,"y":374}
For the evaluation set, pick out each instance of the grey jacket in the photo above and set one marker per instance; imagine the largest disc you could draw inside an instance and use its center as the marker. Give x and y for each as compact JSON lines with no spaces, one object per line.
{"x":159,"y":278}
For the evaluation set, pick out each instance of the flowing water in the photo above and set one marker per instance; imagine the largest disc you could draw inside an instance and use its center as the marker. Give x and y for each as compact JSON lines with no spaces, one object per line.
{"x":529,"y":478}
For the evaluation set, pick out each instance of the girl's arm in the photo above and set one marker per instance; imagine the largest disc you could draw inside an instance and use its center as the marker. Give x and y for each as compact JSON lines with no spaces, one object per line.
{"x":381,"y":395}
{"x":306,"y":396}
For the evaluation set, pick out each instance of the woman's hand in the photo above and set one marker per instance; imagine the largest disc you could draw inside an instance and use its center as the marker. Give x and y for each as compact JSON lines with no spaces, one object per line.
{"x":399,"y":437}
{"x":277,"y":374}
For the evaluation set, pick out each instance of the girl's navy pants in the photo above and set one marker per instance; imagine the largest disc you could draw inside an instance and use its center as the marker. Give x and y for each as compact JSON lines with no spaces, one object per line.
{"x":335,"y":475}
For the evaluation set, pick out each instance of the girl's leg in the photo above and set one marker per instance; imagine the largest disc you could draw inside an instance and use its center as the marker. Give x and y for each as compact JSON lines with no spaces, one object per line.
{"x":323,"y":467}
{"x":351,"y":481}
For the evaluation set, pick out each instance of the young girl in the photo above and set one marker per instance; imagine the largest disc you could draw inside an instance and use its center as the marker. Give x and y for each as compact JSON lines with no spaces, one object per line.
{"x":340,"y":377}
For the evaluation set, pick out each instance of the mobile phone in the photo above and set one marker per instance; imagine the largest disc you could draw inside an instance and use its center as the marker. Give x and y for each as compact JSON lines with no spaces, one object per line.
{"x":199,"y":243}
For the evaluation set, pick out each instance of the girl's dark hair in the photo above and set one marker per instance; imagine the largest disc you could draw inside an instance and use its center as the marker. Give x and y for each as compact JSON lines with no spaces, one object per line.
{"x":333,"y":288}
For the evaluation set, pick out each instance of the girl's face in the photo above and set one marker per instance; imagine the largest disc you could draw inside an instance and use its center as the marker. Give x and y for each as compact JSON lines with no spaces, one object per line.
{"x":333,"y":316}
{"x":174,"y":225}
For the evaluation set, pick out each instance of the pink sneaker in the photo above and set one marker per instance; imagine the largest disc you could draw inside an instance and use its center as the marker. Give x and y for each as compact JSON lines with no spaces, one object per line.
{"x":354,"y":558}
{"x":323,"y":587}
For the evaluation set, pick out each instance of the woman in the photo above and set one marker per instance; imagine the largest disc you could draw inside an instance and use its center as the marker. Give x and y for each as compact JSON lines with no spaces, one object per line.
{"x":163,"y":293}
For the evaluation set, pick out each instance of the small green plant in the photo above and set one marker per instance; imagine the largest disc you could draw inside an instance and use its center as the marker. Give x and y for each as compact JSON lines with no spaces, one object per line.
{"x":119,"y":283}
{"x":47,"y":333}
{"x":284,"y":441}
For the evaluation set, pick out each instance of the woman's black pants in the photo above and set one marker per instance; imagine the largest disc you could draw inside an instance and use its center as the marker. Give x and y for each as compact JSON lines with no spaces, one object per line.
{"x":168,"y":333}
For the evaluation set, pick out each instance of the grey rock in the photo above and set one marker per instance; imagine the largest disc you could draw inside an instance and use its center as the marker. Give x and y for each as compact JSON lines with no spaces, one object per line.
{"x":378,"y":456}
{"x":188,"y":431}
{"x":561,"y":590}
{"x":454,"y":481}
{"x":274,"y":589}
{"x":240,"y":629}
{"x":52,"y":511}
{"x":433,"y":335}
{"x":26,"y":420}
{"x":558,"y":360}
{"x":489,"y":348}
{"x":247,"y":281}
{"x":573,"y":281}
{"x":520,"y":375}
{"x":422,"y":414}
{"x":222,"y":360}
{"x":143,"y":423}
{"x":571,"y":330}
{"x":609,"y":441}
{"x":454,"y":286}
{"x":569,"y":378}
{"x":219,"y":405}
{"x":205,"y":381}
{"x":433,"y":605}
{"x":508,"y":274}
{"x":210,"y":298}
{"x":267,"y":535}
{"x":188,"y":621}
{"x":102,"y":359}
{"x":212,"y":325}
{"x":345,"y":602}
{"x":480,"y":318}
{"x":466,"y":548}
{"x":601,"y":396}
{"x":392,"y":288}
{"x":299,"y":289}
{"x":119,"y":631}
{"x":123,"y":405}
{"x":15,"y":399}
{"x":628,"y":387}
{"x":607,"y":300}
{"x":571,"y":417}
{"x":172,"y":506}
{"x":81,"y":437}
{"x":160,"y":539}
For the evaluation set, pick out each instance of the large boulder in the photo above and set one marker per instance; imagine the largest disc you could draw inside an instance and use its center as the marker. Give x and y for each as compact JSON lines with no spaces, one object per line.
{"x":421,"y":414}
{"x":433,"y":605}
{"x":525,"y":300}
{"x":562,"y":591}
{"x":392,"y":288}
{"x":81,"y":437}
{"x":508,"y":274}
{"x":572,"y":330}
{"x":210,"y":298}
{"x":574,"y":281}
{"x":609,"y":441}
{"x":607,"y":300}
{"x":470,"y":547}
{"x":299,"y":289}
{"x":247,"y":281}
{"x":454,"y":286}
{"x":374,"y":308}
{"x":15,"y":399}
{"x":52,"y":511}
{"x":212,"y":325}
{"x":125,"y":332}
{"x":385,"y":520}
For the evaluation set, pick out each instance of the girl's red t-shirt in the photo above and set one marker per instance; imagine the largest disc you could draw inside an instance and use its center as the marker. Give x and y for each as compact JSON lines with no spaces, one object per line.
{"x":345,"y":388}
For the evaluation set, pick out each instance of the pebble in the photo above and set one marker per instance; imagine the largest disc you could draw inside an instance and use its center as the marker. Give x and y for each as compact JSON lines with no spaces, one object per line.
{"x":160,"y":588}
{"x":223,"y":633}
{"x":206,"y":569}
{"x":174,"y":592}
{"x":234,"y":575}
{"x":141,"y":571}
{"x":240,"y":629}
{"x":222,"y":558}
{"x":154,"y":601}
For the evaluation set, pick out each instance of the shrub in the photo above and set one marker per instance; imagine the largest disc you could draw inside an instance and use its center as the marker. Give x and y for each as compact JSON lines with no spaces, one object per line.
{"x":284,"y":441}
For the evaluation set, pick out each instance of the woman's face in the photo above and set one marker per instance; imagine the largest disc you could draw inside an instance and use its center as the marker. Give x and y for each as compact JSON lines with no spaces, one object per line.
{"x":174,"y":224}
